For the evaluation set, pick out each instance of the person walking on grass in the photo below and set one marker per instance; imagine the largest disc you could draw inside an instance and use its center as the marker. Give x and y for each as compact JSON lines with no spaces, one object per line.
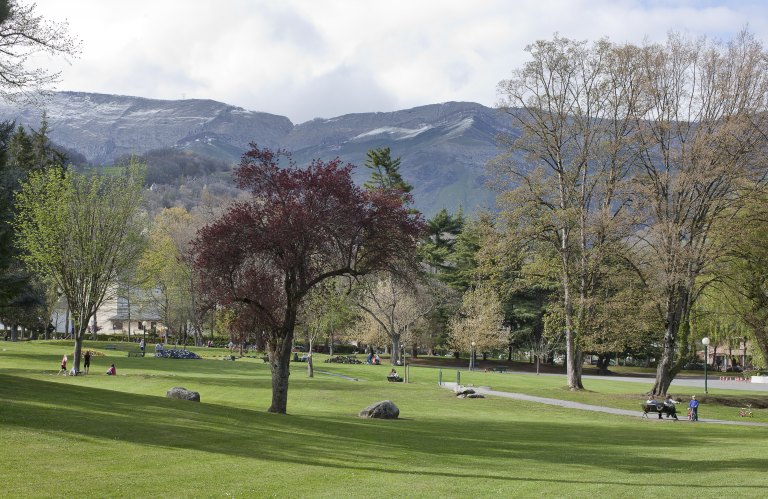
{"x":63,"y":369}
{"x":87,"y":361}
{"x":669,"y":407}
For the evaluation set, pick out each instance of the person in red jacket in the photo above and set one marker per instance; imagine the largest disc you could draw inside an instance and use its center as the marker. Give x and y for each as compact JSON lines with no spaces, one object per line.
{"x":63,"y":365}
{"x":111,"y":371}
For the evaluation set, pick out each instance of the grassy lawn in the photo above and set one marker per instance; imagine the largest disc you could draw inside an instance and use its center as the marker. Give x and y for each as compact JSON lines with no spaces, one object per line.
{"x":120,"y":437}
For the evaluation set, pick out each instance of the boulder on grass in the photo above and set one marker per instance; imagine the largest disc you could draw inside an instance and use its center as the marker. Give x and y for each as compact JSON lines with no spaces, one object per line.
{"x":381,"y":410}
{"x":461,"y":391}
{"x":177,"y":392}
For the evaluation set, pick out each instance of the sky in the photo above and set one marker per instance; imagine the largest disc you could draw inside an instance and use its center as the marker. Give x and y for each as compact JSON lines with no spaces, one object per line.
{"x":308,"y":59}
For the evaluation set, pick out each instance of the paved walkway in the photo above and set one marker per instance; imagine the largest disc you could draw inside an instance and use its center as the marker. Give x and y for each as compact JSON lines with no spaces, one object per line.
{"x":337,"y":374}
{"x":587,"y":407}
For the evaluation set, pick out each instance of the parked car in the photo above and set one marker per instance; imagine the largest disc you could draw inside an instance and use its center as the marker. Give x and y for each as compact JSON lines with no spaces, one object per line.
{"x":734,"y":369}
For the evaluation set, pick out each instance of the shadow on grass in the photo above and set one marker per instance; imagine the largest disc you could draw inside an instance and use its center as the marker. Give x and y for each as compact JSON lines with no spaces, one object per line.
{"x":345,"y":441}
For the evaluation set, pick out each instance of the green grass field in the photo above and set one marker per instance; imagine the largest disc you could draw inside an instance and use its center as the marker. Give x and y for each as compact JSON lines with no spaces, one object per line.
{"x":103,"y":436}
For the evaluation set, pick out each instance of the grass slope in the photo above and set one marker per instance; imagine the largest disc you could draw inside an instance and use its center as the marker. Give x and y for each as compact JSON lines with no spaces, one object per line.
{"x":100,"y":436}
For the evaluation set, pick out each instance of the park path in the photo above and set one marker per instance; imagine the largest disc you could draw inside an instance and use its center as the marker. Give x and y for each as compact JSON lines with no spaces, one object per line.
{"x":588,"y":407}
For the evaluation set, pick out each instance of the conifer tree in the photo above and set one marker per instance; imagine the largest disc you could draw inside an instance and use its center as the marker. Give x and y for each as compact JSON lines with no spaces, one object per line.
{"x":385,"y":171}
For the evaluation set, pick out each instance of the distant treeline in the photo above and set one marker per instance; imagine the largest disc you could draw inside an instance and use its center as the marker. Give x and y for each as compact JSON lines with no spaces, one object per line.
{"x":172,"y":166}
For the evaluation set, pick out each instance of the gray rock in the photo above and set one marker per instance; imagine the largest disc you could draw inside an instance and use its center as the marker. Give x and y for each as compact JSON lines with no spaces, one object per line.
{"x":381,"y":410}
{"x":178,"y":392}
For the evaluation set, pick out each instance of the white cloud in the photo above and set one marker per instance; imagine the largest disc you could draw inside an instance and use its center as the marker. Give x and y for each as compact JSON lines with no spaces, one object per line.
{"x":311,"y":58}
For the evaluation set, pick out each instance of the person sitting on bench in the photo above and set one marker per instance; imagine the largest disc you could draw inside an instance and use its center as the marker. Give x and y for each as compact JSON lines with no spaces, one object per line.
{"x":669,"y":407}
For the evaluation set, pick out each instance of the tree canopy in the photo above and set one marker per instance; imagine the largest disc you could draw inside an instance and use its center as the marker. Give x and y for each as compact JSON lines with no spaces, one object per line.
{"x":80,"y":233}
{"x":300,"y":227}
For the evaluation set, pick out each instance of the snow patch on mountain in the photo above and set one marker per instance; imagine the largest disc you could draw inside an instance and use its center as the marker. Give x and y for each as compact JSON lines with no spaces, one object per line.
{"x":397,"y":132}
{"x":457,"y":129}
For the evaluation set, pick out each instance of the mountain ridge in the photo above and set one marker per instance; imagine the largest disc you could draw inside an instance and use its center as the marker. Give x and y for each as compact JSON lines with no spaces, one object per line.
{"x":444,"y":147}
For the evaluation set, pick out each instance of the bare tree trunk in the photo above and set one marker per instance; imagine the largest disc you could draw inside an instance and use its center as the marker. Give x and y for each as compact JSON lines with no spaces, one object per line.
{"x":395,"y":349}
{"x":664,"y":371}
{"x":310,"y":365}
{"x":280,"y":361}
{"x":79,"y":335}
{"x":572,"y":352}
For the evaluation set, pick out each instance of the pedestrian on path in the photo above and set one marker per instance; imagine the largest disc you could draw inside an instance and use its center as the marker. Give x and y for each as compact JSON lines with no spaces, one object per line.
{"x":693,"y":409}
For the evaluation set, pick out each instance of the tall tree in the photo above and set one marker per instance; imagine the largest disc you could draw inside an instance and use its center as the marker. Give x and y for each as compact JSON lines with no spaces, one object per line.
{"x":394,"y":307}
{"x":167,"y":274}
{"x":477,"y":327}
{"x":327,"y":311}
{"x":20,"y":154}
{"x":300,"y":227}
{"x":563,"y":177}
{"x":23,"y":35}
{"x":68,"y":234}
{"x":739,"y":291}
{"x":700,"y":138}
{"x":385,"y":171}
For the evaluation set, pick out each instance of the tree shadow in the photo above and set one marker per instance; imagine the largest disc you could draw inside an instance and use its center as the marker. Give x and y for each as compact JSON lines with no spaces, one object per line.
{"x":345,"y":441}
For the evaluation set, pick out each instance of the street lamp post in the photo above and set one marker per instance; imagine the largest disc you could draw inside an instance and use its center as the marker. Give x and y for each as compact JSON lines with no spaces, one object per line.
{"x":472,"y":357}
{"x":705,"y":342}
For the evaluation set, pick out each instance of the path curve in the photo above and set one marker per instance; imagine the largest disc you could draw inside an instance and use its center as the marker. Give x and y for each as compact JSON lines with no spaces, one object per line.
{"x":587,"y":407}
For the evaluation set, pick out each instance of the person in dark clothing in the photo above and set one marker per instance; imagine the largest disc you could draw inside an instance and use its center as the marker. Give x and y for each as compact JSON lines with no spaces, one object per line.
{"x":87,"y":361}
{"x":669,"y":407}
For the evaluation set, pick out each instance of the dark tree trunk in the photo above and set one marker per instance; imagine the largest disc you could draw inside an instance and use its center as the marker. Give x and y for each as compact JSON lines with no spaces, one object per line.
{"x":79,"y":335}
{"x":395,"y":349}
{"x":280,"y":362}
{"x":676,"y":313}
{"x":603,"y":361}
{"x":14,"y":333}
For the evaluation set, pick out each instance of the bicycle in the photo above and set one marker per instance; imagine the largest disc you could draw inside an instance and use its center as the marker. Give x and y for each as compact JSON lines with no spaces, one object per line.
{"x":746,"y":412}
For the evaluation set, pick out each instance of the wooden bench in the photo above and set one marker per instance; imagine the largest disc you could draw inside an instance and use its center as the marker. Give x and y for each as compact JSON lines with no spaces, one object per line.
{"x":136,"y":353}
{"x":659,"y":409}
{"x":110,"y":347}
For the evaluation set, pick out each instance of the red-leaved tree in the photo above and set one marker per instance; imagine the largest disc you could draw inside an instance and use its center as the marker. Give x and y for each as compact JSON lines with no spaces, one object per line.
{"x":300,"y":227}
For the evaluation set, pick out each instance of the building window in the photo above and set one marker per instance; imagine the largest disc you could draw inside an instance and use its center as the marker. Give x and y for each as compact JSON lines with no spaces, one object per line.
{"x":117,"y":325}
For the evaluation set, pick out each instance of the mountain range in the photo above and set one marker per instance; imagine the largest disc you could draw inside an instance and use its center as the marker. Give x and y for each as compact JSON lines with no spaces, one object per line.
{"x":444,"y":147}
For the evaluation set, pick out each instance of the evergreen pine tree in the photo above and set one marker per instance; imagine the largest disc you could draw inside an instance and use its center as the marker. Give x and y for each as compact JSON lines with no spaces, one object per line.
{"x":385,"y":172}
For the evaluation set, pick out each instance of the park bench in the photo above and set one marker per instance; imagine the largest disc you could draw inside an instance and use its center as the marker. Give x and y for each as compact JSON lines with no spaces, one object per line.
{"x":110,"y":347}
{"x":654,"y":409}
{"x":136,"y":353}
